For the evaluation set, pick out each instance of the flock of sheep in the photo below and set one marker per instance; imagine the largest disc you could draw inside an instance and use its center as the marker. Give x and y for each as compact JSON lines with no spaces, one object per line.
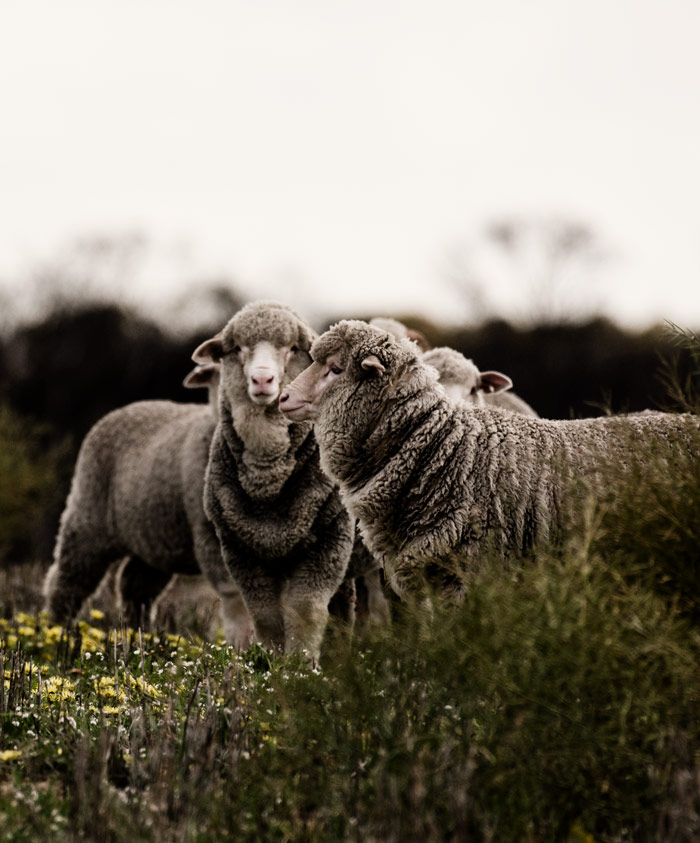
{"x":320,"y":461}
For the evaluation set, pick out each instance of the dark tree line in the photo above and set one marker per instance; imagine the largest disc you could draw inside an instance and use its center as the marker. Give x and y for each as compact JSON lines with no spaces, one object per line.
{"x":69,"y":369}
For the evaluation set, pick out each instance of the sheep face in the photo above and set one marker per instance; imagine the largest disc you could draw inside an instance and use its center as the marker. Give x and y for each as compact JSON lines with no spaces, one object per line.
{"x":357,"y":368}
{"x":264,"y":347}
{"x":461,"y":378}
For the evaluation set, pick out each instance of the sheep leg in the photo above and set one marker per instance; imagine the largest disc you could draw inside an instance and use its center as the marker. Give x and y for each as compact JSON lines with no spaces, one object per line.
{"x":261,"y":595}
{"x":138,"y":586}
{"x":238,"y":625}
{"x":372,"y":605}
{"x":305,"y":619}
{"x":343,"y":605}
{"x":74,"y":575}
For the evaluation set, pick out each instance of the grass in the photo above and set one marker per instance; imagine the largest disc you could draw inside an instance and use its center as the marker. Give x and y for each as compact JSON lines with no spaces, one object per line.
{"x":558,"y":704}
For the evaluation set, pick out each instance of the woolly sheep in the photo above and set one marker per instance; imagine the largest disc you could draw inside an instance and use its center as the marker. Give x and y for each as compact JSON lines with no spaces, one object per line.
{"x":462,"y":381}
{"x":190,"y":601}
{"x":206,"y":376}
{"x":284,"y":533}
{"x":435,"y":485}
{"x":136,"y":495}
{"x":400,"y":331}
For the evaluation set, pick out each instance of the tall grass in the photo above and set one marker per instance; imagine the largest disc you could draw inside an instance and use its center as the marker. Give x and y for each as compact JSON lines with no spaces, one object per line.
{"x":558,"y":702}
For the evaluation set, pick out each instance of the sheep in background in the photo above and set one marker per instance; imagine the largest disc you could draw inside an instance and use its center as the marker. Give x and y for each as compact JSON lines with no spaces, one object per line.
{"x":137,"y":495}
{"x":460,"y":376}
{"x":190,"y":601}
{"x":206,"y":376}
{"x":462,"y":381}
{"x":400,"y":331}
{"x":435,"y":486}
{"x":285,"y":535}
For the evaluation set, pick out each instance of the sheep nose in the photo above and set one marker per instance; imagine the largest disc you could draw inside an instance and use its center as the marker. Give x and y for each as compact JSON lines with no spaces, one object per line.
{"x":262,"y":380}
{"x":284,"y":397}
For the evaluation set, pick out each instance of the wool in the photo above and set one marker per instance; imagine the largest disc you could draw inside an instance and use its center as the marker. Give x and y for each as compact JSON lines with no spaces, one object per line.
{"x":436,"y":487}
{"x":284,"y":533}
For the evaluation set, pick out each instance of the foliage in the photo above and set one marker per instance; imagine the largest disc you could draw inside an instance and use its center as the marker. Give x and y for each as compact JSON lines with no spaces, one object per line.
{"x":29,"y":474}
{"x":553,"y":704}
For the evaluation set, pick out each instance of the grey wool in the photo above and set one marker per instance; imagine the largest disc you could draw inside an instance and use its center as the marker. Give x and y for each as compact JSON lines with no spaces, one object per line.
{"x":462,"y":380}
{"x":285,"y":536}
{"x":136,"y":495}
{"x":434,"y":485}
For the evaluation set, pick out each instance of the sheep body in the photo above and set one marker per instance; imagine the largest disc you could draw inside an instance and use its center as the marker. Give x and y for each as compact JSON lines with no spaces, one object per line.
{"x":434,"y":484}
{"x":137,"y":493}
{"x":284,"y":533}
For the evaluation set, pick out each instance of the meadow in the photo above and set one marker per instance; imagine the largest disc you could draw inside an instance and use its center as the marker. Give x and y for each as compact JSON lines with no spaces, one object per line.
{"x":559,"y":702}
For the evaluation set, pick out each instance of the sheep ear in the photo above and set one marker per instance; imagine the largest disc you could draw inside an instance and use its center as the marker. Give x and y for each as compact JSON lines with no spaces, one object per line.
{"x":210,"y":351}
{"x":201,"y":376}
{"x":419,"y":339}
{"x":373,"y":363}
{"x":495,"y":382}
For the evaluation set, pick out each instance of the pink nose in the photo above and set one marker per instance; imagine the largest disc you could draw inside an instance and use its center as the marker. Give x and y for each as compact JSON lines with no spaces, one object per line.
{"x":262,"y":380}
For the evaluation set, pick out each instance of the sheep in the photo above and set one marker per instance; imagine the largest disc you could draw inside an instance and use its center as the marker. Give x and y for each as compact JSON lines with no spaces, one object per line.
{"x":207,"y":376}
{"x":284,"y":533}
{"x":190,"y":600}
{"x":436,"y":486}
{"x":462,"y":381}
{"x":400,"y":331}
{"x":137,"y":495}
{"x":460,"y":376}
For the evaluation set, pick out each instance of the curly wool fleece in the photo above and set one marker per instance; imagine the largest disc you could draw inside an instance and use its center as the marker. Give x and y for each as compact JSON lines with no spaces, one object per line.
{"x":434,"y":485}
{"x":284,"y":533}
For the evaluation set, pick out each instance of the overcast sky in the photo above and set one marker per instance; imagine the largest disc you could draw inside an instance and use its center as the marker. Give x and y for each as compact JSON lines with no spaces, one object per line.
{"x":338,"y":155}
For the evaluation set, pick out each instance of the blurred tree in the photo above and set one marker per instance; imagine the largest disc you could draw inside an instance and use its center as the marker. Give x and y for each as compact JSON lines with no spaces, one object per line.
{"x":529,"y":270}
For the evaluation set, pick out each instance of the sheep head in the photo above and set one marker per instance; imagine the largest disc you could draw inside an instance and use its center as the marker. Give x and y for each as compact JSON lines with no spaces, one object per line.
{"x":262,"y":348}
{"x":355,"y":362}
{"x":461,"y":378}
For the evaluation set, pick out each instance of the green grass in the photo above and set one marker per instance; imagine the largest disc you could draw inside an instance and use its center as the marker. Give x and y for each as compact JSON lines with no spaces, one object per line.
{"x":561,"y":703}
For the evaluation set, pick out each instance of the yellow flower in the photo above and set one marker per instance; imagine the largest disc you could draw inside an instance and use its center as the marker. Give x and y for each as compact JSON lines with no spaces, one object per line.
{"x":10,"y":755}
{"x":21,"y":617}
{"x":26,"y":630}
{"x":57,"y":688}
{"x":96,"y":614}
{"x":146,"y":687}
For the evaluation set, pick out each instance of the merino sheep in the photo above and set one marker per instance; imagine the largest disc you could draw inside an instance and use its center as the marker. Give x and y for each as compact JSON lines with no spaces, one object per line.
{"x":206,"y":376}
{"x":284,"y":533}
{"x":190,"y":600}
{"x":136,"y":495}
{"x":436,"y":485}
{"x":400,"y":331}
{"x":462,"y":381}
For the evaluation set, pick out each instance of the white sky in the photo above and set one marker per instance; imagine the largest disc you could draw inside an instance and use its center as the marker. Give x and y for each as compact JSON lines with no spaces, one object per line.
{"x":332,"y":153}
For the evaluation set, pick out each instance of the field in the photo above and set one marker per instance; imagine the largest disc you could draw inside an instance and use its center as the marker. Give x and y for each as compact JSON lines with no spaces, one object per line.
{"x":559,"y":702}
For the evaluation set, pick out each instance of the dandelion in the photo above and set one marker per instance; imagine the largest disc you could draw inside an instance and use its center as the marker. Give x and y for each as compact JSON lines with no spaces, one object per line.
{"x":96,"y":614}
{"x":10,"y":755}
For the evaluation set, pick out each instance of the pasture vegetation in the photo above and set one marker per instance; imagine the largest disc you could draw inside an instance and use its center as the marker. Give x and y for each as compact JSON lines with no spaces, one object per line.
{"x":561,"y":701}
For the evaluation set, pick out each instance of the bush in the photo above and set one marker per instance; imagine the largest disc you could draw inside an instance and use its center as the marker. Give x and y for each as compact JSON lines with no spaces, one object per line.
{"x":29,"y":479}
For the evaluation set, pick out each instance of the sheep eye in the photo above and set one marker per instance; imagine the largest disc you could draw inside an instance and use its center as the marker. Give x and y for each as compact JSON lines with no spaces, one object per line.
{"x":336,"y":370}
{"x":294,"y":349}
